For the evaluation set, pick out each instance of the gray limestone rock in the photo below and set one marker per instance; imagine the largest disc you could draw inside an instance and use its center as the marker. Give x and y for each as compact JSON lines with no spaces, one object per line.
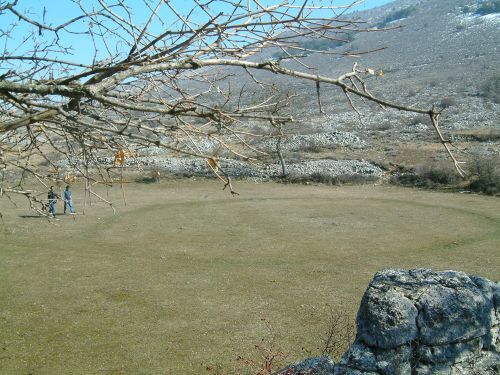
{"x":396,"y":361}
{"x":449,"y":353}
{"x":422,"y":369}
{"x":422,"y":322}
{"x":359,"y":356}
{"x":322,"y":365}
{"x":450,"y":314}
{"x":386,"y":318}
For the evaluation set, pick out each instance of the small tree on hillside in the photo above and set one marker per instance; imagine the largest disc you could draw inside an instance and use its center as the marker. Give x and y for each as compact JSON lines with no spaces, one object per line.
{"x":112,"y":78}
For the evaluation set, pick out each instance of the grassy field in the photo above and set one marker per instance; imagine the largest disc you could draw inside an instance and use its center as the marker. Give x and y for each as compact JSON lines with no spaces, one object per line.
{"x":183,"y":276}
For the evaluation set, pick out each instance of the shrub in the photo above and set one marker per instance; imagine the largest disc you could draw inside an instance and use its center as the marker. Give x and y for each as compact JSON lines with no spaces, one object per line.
{"x":154,"y":177}
{"x":419,"y":119}
{"x":480,"y":135}
{"x":485,"y":173}
{"x":313,"y":148}
{"x":322,"y":178}
{"x":316,"y":44}
{"x":428,"y":176}
{"x":492,"y":135}
{"x":266,"y":358}
{"x":439,"y":174}
{"x":488,"y":7}
{"x":397,"y":15}
{"x":279,"y":55}
{"x":323,"y":44}
{"x":383,"y":126}
{"x":448,"y":102}
{"x":340,"y":334}
{"x":491,"y":89}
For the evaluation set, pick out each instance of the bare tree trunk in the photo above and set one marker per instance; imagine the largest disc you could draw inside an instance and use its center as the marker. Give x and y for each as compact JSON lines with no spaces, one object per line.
{"x":284,"y":171}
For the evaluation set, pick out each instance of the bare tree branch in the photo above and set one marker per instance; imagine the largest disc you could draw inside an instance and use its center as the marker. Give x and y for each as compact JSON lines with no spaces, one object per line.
{"x":164,"y":76}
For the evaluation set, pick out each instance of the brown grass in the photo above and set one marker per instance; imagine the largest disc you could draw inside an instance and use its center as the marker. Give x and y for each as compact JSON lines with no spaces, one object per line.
{"x":180,"y":278}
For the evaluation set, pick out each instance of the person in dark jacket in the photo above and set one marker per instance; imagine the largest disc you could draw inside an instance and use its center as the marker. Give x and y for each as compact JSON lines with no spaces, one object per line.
{"x":52,"y":197}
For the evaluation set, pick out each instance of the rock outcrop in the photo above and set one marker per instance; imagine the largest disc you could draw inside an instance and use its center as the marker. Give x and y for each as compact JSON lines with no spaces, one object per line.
{"x":421,"y":322}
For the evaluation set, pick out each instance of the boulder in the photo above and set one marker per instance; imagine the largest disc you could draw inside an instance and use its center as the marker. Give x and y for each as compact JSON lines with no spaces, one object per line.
{"x":421,"y":322}
{"x":322,"y":365}
{"x":425,"y":322}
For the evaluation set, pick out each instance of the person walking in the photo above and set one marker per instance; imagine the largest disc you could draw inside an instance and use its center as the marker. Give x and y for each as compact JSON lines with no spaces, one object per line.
{"x":52,"y":197}
{"x":68,"y":200}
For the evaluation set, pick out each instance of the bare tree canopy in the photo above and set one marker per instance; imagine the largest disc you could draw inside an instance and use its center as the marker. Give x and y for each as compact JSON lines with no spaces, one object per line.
{"x":116,"y":77}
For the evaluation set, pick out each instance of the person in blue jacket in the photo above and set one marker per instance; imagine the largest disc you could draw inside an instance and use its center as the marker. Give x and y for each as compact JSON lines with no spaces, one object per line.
{"x":68,"y":200}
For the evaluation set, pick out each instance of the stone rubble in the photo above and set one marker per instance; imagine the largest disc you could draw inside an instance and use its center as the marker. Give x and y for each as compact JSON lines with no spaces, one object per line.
{"x":329,"y":139}
{"x":154,"y":157}
{"x":189,"y":167}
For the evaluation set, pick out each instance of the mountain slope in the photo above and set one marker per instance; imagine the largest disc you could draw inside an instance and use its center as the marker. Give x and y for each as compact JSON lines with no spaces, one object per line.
{"x":444,"y":54}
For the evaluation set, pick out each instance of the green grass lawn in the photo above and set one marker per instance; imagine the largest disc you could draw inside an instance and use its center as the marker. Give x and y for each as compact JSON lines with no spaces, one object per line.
{"x":182,"y":277}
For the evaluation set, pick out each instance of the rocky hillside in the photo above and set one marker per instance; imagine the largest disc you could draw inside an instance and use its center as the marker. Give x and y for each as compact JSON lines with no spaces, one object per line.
{"x":436,"y":52}
{"x":444,"y":54}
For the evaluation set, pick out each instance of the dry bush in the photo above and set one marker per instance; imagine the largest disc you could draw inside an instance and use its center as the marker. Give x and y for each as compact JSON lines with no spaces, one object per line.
{"x":339,"y":336}
{"x":397,"y":15}
{"x":383,"y":126}
{"x":326,"y":179}
{"x":428,"y":175}
{"x":268,"y":358}
{"x":479,"y":135}
{"x":412,"y":93}
{"x":153,"y":176}
{"x":419,"y":119}
{"x":485,"y":171}
{"x":312,"y":147}
{"x":488,"y":7}
{"x":491,"y":89}
{"x":448,"y":102}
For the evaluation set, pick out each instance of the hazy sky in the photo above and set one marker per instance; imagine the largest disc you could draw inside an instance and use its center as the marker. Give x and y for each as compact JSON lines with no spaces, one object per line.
{"x":62,"y":9}
{"x":374,"y":3}
{"x":56,"y":12}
